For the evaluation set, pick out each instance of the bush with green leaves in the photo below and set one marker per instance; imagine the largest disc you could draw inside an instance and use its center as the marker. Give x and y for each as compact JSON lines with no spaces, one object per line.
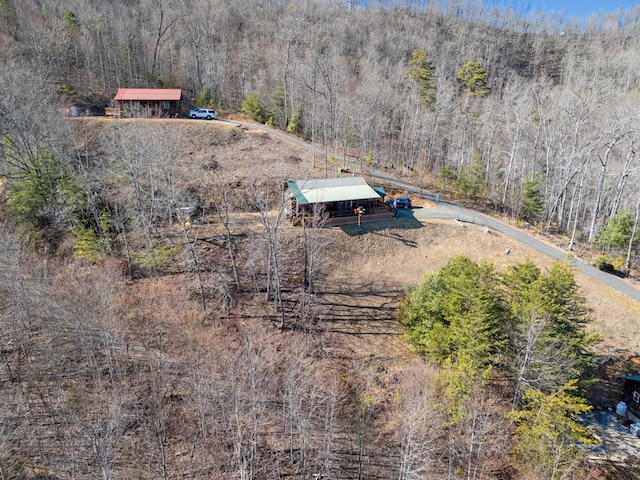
{"x":472,"y":180}
{"x":86,"y":247}
{"x":94,"y":242}
{"x":254,"y":108}
{"x":529,"y":325}
{"x":71,"y":22}
{"x":617,"y":232}
{"x":157,"y":256}
{"x":44,"y":193}
{"x":276,"y":108}
{"x":446,"y":177}
{"x":204,"y":98}
{"x":295,"y":125}
{"x":602,"y":263}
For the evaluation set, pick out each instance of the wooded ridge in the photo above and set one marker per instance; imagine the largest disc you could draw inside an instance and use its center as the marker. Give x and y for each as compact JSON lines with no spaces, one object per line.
{"x":536,"y":115}
{"x":159,"y":318}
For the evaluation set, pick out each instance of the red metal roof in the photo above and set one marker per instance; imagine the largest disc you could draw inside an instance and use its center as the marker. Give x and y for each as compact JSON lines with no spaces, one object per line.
{"x":141,"y":94}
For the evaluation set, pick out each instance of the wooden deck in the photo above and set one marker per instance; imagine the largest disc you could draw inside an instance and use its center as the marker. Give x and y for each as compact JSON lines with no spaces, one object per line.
{"x":381,"y":214}
{"x":332,"y":222}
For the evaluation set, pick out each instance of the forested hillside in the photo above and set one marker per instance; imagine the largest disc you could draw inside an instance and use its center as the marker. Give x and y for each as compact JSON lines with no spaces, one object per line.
{"x":158,"y":317}
{"x":537,"y":115}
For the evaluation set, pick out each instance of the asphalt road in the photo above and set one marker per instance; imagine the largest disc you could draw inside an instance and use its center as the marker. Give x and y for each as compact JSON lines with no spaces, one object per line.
{"x":449,"y":210}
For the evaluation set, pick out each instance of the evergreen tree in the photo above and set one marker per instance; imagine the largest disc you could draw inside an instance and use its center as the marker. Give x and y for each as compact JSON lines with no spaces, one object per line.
{"x":44,"y":193}
{"x":254,"y":108}
{"x":472,"y":180}
{"x":548,"y":433}
{"x":421,"y":71}
{"x":532,"y":199}
{"x":548,"y":340}
{"x":617,"y":232}
{"x":472,"y":79}
{"x":453,"y":318}
{"x":530,"y":326}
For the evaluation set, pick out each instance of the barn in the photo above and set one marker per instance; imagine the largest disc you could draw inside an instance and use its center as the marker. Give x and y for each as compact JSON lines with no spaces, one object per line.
{"x":335,"y":201}
{"x":154,"y":102}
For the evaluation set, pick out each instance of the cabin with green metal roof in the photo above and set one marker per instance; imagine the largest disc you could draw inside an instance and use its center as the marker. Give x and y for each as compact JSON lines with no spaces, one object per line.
{"x":335,"y":201}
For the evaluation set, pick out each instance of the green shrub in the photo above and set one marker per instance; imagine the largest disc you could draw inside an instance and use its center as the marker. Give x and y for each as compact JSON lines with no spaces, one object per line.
{"x":158,"y":255}
{"x":204,"y":99}
{"x":616,"y":233}
{"x":86,"y":247}
{"x":295,"y":123}
{"x":446,"y":176}
{"x":254,"y":108}
{"x":602,"y":263}
{"x":44,"y":193}
{"x":532,"y":199}
{"x":619,"y":263}
{"x":67,"y":90}
{"x":94,"y":241}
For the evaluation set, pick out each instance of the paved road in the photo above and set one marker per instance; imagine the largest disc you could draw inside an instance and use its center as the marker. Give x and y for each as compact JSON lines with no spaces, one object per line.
{"x":449,"y":210}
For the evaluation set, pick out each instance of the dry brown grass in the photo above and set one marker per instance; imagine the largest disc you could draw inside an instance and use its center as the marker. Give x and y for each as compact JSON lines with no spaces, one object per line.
{"x":367,"y":270}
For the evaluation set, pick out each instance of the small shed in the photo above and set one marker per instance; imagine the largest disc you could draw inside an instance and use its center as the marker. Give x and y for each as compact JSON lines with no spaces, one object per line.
{"x":631,"y":393}
{"x":158,"y":102}
{"x":335,"y":201}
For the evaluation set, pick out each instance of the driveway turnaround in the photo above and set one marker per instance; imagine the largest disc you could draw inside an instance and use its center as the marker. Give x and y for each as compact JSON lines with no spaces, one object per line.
{"x":448,"y":210}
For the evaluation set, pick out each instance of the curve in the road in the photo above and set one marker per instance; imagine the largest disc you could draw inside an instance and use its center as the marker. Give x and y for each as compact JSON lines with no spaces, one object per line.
{"x":446,"y":209}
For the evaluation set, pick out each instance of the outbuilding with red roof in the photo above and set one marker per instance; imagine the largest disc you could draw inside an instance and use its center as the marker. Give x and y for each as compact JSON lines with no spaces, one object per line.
{"x":156,"y":102}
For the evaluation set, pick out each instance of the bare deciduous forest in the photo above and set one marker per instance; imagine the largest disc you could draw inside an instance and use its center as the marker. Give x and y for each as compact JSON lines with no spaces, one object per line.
{"x":159,"y":318}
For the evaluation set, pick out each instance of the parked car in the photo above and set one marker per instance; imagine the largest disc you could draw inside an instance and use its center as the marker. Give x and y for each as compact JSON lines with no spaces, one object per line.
{"x":207,"y":113}
{"x":401,"y":202}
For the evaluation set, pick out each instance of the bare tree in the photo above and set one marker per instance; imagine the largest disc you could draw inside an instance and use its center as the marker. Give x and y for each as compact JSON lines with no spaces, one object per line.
{"x":222,"y":205}
{"x":421,"y":424}
{"x":271,"y":202}
{"x":486,"y":435}
{"x":604,"y":162}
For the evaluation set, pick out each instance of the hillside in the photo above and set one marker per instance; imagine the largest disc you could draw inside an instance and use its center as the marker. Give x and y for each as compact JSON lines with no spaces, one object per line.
{"x":110,"y":365}
{"x":160,"y":317}
{"x":534,"y":114}
{"x":399,"y":257}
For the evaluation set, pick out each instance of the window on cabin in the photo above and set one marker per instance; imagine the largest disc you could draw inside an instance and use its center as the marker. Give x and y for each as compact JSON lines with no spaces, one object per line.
{"x":636,"y":397}
{"x":165,"y":105}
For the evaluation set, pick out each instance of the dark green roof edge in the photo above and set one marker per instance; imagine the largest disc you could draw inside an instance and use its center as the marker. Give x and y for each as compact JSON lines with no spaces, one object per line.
{"x":296,"y":192}
{"x":633,"y":378}
{"x":380,"y":190}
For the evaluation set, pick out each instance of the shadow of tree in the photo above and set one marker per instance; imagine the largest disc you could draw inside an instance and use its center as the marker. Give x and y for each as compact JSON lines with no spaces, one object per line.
{"x":360,"y":309}
{"x":404,"y":222}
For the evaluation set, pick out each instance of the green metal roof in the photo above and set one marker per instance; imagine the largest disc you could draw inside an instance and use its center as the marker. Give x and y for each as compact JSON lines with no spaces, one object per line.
{"x":380,"y":190}
{"x":327,"y":190}
{"x":633,"y":378}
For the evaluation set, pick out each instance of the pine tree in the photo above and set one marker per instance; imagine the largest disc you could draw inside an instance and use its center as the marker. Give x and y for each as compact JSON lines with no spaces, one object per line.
{"x":548,"y":433}
{"x":421,"y":71}
{"x":472,"y":79}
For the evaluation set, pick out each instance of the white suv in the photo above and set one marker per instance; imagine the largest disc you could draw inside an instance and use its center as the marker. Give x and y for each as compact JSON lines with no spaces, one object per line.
{"x":203,"y":113}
